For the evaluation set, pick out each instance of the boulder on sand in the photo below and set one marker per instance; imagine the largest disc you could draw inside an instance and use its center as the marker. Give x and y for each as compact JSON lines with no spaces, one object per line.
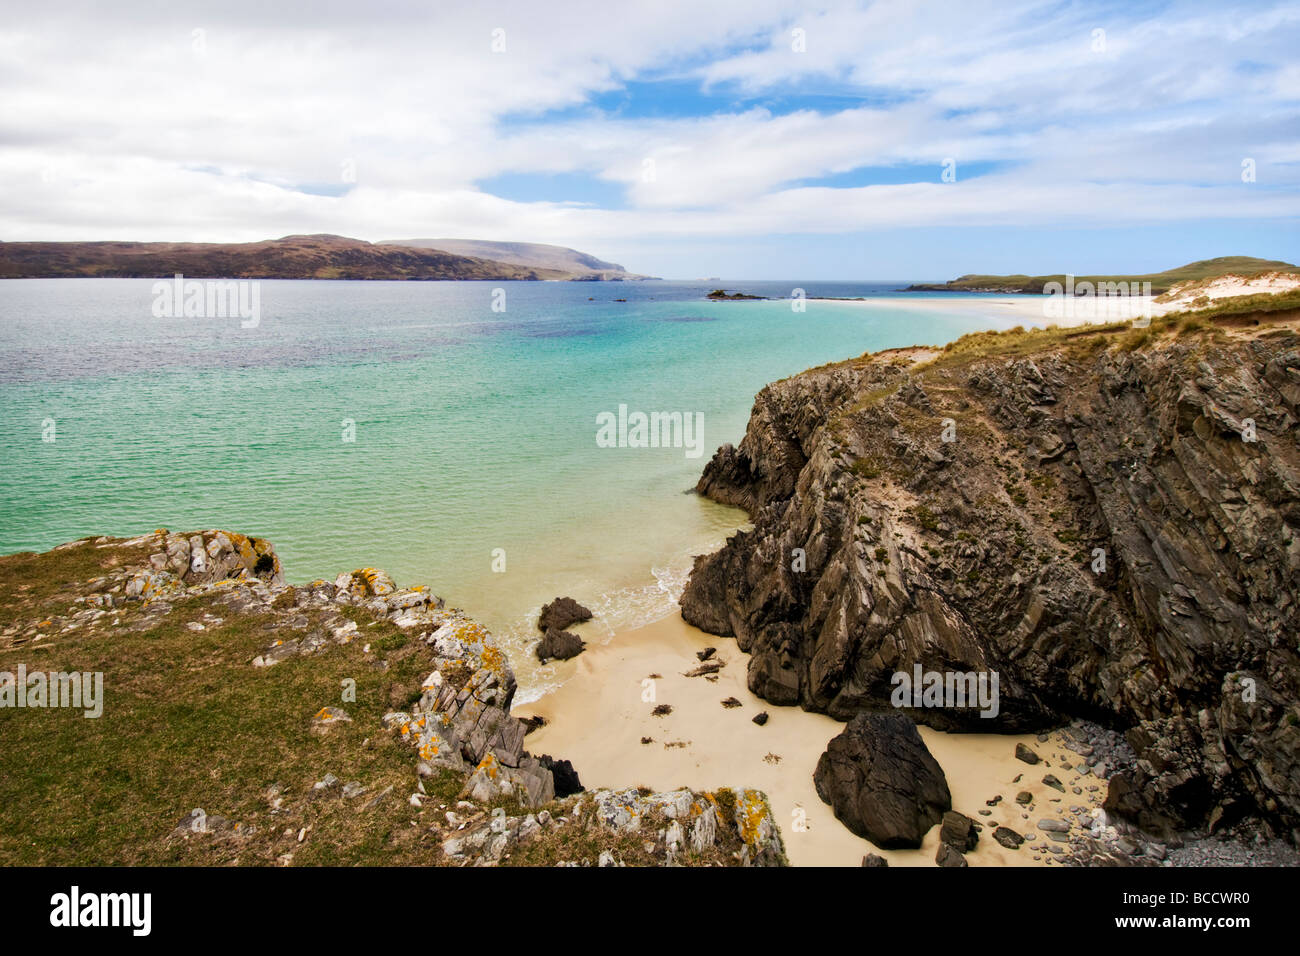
{"x":1025,"y":754}
{"x":882,"y":782}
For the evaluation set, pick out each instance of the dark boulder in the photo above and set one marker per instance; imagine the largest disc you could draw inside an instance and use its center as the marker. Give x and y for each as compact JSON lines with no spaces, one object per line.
{"x":882,"y":782}
{"x":1025,"y":754}
{"x":959,"y":831}
{"x":566,"y":778}
{"x":948,"y":856}
{"x":559,"y":645}
{"x":561,"y":613}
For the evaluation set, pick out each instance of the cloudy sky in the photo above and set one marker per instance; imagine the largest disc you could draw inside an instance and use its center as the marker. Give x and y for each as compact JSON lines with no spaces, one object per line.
{"x":749,"y":139}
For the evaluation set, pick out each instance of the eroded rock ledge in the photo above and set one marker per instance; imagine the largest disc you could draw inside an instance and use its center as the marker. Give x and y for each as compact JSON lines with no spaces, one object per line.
{"x":1112,"y":528}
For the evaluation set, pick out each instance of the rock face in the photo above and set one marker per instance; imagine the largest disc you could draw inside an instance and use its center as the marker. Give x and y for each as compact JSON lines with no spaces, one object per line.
{"x":1110,"y":524}
{"x":566,"y":778}
{"x":882,"y":782}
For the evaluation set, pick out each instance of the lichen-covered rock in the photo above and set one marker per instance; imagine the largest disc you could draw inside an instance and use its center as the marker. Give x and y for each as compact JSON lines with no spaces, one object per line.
{"x":329,"y":718}
{"x":630,"y":827}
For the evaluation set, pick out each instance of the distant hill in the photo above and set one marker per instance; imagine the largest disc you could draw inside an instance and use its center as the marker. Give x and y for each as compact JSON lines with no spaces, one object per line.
{"x":293,"y":257}
{"x":533,"y":255}
{"x":1160,"y":281}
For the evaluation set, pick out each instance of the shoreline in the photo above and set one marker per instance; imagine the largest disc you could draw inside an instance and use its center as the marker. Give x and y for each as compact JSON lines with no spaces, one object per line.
{"x":702,"y":744}
{"x":1028,"y":310}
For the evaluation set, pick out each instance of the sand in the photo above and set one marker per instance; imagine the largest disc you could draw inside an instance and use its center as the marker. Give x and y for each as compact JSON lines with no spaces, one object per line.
{"x":1008,"y":312}
{"x":598,"y":718}
{"x":1033,"y":310}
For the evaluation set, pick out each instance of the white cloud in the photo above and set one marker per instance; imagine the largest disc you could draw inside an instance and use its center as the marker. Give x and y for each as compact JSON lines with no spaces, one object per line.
{"x":122,"y":122}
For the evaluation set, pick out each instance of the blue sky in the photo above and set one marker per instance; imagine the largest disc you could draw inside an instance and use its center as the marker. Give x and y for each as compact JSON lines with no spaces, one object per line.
{"x":745,"y":139}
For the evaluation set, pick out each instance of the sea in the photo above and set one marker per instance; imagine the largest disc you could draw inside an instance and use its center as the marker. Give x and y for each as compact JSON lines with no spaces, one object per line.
{"x":478,"y":437}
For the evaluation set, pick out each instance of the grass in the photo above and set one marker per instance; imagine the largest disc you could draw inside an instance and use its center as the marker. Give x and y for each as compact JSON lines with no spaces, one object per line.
{"x":187,"y":724}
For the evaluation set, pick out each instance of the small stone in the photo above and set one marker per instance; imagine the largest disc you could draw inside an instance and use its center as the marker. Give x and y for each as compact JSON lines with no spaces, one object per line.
{"x":1051,"y":781}
{"x":1008,"y":838}
{"x":1025,"y":754}
{"x":948,"y":856}
{"x":760,"y":719}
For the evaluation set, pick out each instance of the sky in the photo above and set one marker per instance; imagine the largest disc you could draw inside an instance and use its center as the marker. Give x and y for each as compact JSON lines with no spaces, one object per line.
{"x":680,"y":138}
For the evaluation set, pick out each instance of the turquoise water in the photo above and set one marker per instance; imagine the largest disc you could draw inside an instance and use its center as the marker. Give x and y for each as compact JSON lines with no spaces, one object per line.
{"x":475,"y":430}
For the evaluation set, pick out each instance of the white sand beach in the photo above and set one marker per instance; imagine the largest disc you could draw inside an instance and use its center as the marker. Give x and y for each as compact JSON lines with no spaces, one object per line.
{"x":1007,"y":311}
{"x":598,"y":718}
{"x":1004,"y":312}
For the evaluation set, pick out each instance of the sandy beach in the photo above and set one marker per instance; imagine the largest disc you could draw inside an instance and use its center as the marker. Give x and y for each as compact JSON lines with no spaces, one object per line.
{"x":1004,"y":312}
{"x":600,"y":715}
{"x":1007,"y":311}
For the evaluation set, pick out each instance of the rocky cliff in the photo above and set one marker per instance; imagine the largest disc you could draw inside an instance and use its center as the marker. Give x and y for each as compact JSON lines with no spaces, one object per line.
{"x":1106,"y":518}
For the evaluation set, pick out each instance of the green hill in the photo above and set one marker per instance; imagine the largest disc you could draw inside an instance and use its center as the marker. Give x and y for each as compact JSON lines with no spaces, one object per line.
{"x":1160,"y":281}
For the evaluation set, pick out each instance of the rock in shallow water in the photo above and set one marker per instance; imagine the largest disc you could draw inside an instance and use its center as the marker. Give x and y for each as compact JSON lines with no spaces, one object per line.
{"x":559,"y":645}
{"x":561,"y":613}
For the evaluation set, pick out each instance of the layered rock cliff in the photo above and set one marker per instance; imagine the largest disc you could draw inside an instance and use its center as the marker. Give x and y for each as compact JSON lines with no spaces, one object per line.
{"x":1106,"y":518}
